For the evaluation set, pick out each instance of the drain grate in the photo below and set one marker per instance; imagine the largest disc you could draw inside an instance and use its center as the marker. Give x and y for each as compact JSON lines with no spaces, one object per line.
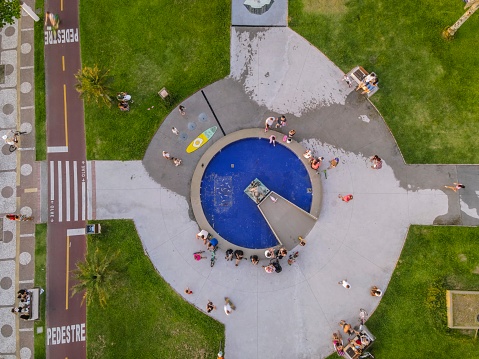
{"x":203,"y":117}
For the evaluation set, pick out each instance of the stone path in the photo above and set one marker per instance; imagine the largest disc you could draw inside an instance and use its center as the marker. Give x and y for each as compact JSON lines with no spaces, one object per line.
{"x":292,"y":314}
{"x":19,"y":183}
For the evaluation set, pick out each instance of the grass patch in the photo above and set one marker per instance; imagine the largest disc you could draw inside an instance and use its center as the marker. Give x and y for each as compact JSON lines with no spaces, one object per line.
{"x":40,"y":106}
{"x":411,"y":320}
{"x":428,"y":86}
{"x":143,"y":313}
{"x":40,"y":281}
{"x":180,"y":44}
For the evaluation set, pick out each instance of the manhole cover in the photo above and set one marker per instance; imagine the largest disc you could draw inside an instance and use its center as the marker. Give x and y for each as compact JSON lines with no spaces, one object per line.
{"x":203,"y":117}
{"x":191,"y":126}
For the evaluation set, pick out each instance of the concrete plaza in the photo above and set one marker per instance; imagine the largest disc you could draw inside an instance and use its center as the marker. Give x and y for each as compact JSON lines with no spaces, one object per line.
{"x":291,"y":314}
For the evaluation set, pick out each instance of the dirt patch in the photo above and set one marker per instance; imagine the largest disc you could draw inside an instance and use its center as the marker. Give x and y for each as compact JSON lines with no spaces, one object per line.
{"x":476,"y":270}
{"x":462,"y":257}
{"x":465,"y":310}
{"x":326,"y":7}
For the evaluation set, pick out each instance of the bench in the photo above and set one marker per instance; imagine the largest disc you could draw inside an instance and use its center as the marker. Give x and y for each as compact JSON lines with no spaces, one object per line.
{"x":358,"y":74}
{"x":34,"y":303}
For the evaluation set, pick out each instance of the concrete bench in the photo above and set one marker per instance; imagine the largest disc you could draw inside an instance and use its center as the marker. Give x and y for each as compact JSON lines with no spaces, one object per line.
{"x":34,"y":303}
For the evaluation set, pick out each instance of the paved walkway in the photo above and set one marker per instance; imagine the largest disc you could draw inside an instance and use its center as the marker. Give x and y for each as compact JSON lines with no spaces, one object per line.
{"x":292,"y":314}
{"x":19,"y":183}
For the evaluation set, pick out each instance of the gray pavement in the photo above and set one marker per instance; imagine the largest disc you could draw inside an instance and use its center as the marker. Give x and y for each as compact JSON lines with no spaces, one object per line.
{"x":291,"y":314}
{"x":19,"y":183}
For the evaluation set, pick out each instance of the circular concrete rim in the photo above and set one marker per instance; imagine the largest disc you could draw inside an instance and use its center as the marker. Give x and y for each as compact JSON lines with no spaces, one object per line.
{"x":294,"y":146}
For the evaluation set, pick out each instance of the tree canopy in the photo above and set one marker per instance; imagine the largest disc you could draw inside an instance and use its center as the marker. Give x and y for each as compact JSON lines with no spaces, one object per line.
{"x":9,"y":11}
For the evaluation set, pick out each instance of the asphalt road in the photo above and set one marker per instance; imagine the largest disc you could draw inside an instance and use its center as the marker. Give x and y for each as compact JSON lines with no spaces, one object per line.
{"x":66,"y":318}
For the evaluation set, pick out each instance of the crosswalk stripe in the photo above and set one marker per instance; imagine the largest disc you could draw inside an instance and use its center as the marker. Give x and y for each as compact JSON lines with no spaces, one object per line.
{"x":83,"y":200}
{"x":60,"y":192}
{"x":52,"y":181}
{"x":67,"y":189}
{"x":75,"y":191}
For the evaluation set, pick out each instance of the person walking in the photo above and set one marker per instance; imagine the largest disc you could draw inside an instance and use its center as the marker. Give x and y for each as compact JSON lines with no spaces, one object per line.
{"x":182,"y":109}
{"x":456,"y":187}
{"x":175,"y":131}
{"x":229,"y":306}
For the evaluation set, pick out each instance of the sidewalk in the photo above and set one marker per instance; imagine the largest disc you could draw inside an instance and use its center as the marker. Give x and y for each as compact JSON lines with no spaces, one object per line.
{"x":19,"y":183}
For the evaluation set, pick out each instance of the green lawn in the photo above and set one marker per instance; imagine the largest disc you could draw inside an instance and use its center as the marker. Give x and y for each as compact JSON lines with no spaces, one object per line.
{"x":183,"y":45}
{"x":40,"y":111}
{"x":428,"y":86}
{"x":411,"y":320}
{"x":143,"y":314}
{"x":40,"y":281}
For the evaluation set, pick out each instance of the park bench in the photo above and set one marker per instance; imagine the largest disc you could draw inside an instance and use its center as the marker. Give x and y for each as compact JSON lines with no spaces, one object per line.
{"x":34,"y":303}
{"x":358,"y":74}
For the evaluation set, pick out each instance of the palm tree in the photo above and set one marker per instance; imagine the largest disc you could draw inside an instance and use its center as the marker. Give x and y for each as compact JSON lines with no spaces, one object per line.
{"x":95,"y":277}
{"x":473,"y":5}
{"x":93,"y":85}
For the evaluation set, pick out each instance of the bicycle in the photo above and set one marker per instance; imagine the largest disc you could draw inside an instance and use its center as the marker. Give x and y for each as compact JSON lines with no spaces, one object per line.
{"x":213,"y":257}
{"x":13,"y":141}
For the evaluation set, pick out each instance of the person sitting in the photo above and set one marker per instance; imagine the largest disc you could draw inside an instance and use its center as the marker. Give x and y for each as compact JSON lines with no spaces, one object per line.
{"x":272,"y":139}
{"x":229,"y":255}
{"x":212,"y":244}
{"x":123,"y":106}
{"x":280,"y":253}
{"x":203,"y":235}
{"x":307,"y":154}
{"x":123,"y":97}
{"x":254,"y":259}
{"x":239,"y":256}
{"x":269,"y":253}
{"x":376,"y":292}
{"x":333,"y":163}
{"x":315,"y":163}
{"x":269,"y":268}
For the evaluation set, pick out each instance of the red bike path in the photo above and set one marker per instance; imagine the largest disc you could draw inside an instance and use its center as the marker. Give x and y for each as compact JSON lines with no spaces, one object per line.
{"x":67,"y":181}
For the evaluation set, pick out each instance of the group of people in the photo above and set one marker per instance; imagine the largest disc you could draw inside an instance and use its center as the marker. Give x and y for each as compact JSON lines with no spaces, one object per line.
{"x":176,"y":161}
{"x":24,"y":297}
{"x":210,"y":242}
{"x":228,"y":306}
{"x":368,"y":84}
{"x":16,"y":217}
{"x":123,"y":101}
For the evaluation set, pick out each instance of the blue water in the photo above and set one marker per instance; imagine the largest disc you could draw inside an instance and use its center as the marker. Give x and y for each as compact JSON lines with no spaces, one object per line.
{"x":229,"y":210}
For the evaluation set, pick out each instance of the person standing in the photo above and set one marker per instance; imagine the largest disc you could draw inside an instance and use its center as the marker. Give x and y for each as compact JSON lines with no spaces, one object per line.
{"x":182,"y":109}
{"x":238,"y":256}
{"x":280,"y":121}
{"x":268,"y":123}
